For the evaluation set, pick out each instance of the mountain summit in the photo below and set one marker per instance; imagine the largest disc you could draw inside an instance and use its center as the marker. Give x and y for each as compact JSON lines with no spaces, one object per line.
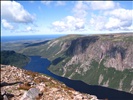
{"x":19,"y":84}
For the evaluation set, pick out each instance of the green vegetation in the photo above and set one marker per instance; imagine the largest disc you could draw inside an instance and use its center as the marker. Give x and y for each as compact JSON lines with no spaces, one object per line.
{"x":58,"y":69}
{"x":110,"y":76}
{"x":114,"y":77}
{"x":13,"y":58}
{"x":117,"y":38}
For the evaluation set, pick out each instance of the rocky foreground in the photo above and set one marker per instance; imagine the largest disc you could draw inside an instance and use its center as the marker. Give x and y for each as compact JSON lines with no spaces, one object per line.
{"x":19,"y":84}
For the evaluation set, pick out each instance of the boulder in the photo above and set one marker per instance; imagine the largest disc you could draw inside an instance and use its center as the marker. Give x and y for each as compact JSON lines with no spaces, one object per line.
{"x":3,"y":95}
{"x":31,"y":94}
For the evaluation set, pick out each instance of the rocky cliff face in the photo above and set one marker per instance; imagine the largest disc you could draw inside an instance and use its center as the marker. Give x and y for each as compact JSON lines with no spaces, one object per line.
{"x":116,"y":50}
{"x":18,"y":84}
{"x":108,"y":59}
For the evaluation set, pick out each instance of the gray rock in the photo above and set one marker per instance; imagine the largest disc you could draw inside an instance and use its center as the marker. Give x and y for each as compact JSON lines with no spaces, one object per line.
{"x":3,"y":93}
{"x":5,"y":97}
{"x":31,"y":94}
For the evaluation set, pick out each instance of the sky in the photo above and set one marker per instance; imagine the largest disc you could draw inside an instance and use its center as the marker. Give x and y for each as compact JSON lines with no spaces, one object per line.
{"x":65,"y":17}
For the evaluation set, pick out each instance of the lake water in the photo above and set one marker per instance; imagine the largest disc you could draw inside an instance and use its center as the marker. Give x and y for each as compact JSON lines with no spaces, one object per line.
{"x":38,"y":64}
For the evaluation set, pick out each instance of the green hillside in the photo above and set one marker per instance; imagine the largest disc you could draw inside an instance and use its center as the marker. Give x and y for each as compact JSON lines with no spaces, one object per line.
{"x":13,"y":58}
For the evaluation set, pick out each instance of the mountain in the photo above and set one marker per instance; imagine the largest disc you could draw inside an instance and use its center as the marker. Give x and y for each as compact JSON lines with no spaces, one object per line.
{"x":104,"y":59}
{"x":12,"y":58}
{"x":19,"y":84}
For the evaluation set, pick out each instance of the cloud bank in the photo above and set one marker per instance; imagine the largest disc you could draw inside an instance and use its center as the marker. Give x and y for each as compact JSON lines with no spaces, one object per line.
{"x":103,"y":16}
{"x":13,"y":13}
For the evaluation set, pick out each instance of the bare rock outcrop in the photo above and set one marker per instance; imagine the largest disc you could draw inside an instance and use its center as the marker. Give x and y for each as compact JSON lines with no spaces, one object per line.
{"x":19,"y":84}
{"x":117,"y":51}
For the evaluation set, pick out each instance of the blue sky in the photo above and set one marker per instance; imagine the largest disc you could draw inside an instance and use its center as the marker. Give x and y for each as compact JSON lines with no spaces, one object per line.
{"x":65,"y":17}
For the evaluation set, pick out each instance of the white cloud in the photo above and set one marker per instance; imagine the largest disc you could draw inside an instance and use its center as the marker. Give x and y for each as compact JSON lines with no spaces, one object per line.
{"x":113,"y":23}
{"x":47,"y":2}
{"x":26,"y":29}
{"x":14,"y":12}
{"x":7,"y":25}
{"x":130,"y":28}
{"x":121,"y":13}
{"x":29,"y":29}
{"x":97,"y":22}
{"x":119,"y":19}
{"x":69,"y":23}
{"x":80,"y":9}
{"x":118,"y":24}
{"x":60,"y":3}
{"x":110,"y":23}
{"x":102,"y":5}
{"x":56,"y":3}
{"x":115,"y":18}
{"x":104,"y":16}
{"x":72,"y":23}
{"x":59,"y":26}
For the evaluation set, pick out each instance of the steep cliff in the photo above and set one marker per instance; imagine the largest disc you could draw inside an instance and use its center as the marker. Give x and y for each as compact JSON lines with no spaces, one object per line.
{"x":105,"y":60}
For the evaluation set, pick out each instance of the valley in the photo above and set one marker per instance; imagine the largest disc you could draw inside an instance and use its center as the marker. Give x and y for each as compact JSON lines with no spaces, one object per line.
{"x":104,"y":60}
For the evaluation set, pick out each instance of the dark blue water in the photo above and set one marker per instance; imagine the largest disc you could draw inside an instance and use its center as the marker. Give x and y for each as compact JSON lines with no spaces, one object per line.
{"x":38,"y":64}
{"x":33,"y":37}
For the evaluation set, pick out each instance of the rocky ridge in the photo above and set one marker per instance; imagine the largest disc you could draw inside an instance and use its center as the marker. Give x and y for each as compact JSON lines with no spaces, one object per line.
{"x":19,"y":84}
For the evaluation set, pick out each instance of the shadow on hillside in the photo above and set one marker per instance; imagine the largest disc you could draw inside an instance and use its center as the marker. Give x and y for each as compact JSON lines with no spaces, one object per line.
{"x":8,"y":84}
{"x":79,"y":45}
{"x":117,"y":49}
{"x":37,"y":44}
{"x":57,"y":60}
